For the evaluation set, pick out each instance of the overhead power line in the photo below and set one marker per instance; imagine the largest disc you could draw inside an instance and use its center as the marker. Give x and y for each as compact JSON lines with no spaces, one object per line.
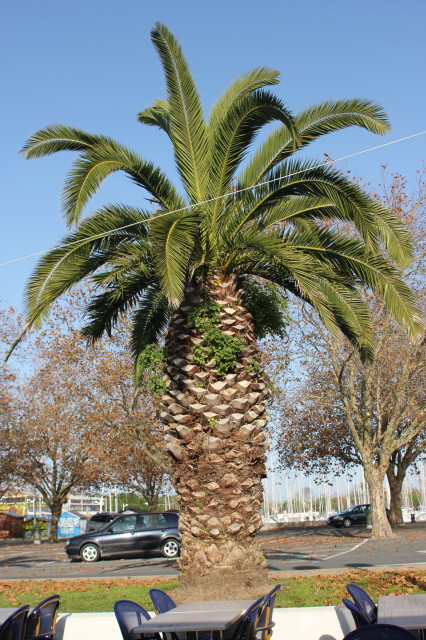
{"x":226,"y":195}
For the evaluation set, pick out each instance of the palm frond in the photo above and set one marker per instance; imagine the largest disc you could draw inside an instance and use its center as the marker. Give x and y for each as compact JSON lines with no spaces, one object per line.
{"x":124,"y":259}
{"x":238,"y":90}
{"x":304,"y":207}
{"x":251,"y":245}
{"x":311,"y":123}
{"x":172,"y":238}
{"x":158,"y":115}
{"x":187,"y":126}
{"x":59,"y":137}
{"x":149,"y":320}
{"x":341,"y":309}
{"x":92,"y":167}
{"x":392,"y":232}
{"x":339,"y":304}
{"x":230,"y":140}
{"x":78,"y":255}
{"x":106,"y":308}
{"x":345,"y":260}
{"x":335,"y":115}
{"x":374,"y":223}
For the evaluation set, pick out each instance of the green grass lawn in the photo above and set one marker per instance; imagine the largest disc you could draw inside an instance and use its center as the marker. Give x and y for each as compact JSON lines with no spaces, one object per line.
{"x":305,"y":591}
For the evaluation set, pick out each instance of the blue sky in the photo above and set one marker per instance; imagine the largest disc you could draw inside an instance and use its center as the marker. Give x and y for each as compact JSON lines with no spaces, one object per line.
{"x":91,"y":64}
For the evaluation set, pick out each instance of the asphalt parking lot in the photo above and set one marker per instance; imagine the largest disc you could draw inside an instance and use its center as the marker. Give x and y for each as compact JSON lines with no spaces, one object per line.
{"x":329,"y":549}
{"x":292,"y":551}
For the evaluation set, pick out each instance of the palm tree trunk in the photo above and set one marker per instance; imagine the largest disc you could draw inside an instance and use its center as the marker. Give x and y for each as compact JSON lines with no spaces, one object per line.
{"x":214,"y":433}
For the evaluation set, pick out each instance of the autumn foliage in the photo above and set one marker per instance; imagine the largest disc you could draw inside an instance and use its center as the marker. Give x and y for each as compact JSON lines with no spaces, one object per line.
{"x":70,"y":417}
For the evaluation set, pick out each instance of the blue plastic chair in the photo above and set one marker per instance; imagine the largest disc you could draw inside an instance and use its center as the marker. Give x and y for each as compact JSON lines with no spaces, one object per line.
{"x":41,"y":621}
{"x":247,"y":626}
{"x":162,"y":603}
{"x":380,"y":632}
{"x":129,"y":615}
{"x":161,"y":600}
{"x":363,"y":602}
{"x":13,"y":628}
{"x":359,"y":617}
{"x":264,"y":622}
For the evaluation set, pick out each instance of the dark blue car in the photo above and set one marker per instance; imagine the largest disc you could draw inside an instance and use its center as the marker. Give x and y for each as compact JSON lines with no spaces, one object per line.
{"x":127,"y":536}
{"x":353,"y":515}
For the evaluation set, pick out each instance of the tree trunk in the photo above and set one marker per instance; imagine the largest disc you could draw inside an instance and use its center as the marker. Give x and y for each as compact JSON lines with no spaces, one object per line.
{"x":152,"y":502}
{"x":381,"y":527}
{"x":214,"y":433}
{"x":56,"y":509}
{"x":395,"y":485}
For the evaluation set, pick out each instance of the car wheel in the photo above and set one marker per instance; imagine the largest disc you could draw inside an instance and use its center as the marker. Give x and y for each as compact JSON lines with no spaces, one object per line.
{"x":347,"y":522}
{"x":89,"y":553}
{"x":170,"y":549}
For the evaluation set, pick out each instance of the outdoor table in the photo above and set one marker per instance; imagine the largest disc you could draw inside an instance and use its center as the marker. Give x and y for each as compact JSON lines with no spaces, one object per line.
{"x":194,"y":617}
{"x":6,"y":612}
{"x":408,"y":611}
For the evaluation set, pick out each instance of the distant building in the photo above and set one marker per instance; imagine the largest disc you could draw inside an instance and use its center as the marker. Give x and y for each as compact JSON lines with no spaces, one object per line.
{"x":84,"y":503}
{"x":23,"y":504}
{"x":11,"y":525}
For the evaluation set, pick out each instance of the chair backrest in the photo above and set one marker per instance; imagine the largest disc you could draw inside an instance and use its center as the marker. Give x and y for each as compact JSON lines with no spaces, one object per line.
{"x":247,"y":624}
{"x":129,"y":615}
{"x":42,"y":619}
{"x":161,"y":600}
{"x":359,"y":617}
{"x":380,"y":632}
{"x":363,"y":602}
{"x":264,"y":623}
{"x":13,"y":627}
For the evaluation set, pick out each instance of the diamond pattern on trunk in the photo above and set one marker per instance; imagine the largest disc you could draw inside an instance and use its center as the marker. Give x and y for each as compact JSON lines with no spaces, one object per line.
{"x":214,"y":433}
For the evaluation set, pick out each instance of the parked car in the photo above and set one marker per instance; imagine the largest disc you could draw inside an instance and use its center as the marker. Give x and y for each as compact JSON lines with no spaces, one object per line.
{"x":99,"y":520}
{"x":353,"y":515}
{"x":128,"y":536}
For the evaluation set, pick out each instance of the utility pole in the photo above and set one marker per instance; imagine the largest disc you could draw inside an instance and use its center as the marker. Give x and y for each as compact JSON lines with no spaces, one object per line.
{"x":36,"y":532}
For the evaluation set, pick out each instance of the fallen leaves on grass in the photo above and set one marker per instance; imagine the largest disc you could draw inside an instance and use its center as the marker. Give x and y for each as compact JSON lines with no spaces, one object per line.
{"x":330,"y":589}
{"x":54,"y":586}
{"x":301,"y":590}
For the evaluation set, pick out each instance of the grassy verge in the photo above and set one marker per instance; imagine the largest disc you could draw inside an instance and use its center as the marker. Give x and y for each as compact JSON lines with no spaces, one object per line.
{"x":81,"y":595}
{"x":301,"y":591}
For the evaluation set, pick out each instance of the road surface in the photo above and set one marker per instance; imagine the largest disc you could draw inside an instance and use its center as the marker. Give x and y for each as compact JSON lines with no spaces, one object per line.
{"x":295,"y":551}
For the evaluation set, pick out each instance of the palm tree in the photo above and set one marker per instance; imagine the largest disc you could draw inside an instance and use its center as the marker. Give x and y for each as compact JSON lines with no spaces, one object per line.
{"x":192,"y":270}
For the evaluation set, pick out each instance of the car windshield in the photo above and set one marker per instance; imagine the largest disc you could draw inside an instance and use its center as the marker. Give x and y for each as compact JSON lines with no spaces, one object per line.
{"x":348,"y":510}
{"x":104,"y":525}
{"x":358,"y":508}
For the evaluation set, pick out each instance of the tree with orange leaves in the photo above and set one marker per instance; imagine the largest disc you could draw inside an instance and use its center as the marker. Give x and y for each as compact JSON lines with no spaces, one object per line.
{"x":9,"y":323}
{"x":74,"y":421}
